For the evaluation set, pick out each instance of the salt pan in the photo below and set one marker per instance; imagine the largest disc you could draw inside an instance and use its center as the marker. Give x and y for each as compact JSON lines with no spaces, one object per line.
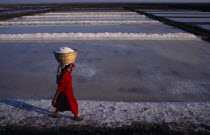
{"x":64,"y":50}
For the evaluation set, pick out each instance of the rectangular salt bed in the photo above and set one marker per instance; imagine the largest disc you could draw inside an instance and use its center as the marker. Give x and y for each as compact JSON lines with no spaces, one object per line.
{"x":207,"y":27}
{"x":183,"y":15}
{"x":81,"y":19}
{"x":145,"y":70}
{"x":190,"y":19}
{"x":88,"y":13}
{"x":21,"y":11}
{"x":179,"y":12}
{"x":140,"y":28}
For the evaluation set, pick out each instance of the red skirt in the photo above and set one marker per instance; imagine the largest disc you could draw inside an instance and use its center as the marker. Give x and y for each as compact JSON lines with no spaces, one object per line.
{"x":62,"y":103}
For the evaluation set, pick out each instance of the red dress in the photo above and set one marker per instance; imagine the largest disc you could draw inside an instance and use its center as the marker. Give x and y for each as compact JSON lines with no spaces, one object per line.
{"x":66,"y":100}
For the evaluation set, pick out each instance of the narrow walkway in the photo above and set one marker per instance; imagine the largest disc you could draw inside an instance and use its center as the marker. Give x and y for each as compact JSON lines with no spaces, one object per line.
{"x":166,"y":117}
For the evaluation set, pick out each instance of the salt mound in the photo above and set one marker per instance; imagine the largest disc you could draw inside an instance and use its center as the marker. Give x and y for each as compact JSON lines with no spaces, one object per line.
{"x":64,"y":50}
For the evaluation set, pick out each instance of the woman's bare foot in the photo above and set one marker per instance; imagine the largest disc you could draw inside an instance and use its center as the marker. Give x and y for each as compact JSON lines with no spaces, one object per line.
{"x":77,"y":118}
{"x":56,"y":115}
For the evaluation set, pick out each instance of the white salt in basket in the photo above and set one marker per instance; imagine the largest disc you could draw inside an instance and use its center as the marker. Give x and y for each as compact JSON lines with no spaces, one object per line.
{"x":66,"y":58}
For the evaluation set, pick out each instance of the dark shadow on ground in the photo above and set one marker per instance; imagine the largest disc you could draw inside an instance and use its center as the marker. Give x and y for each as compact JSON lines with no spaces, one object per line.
{"x":28,"y":107}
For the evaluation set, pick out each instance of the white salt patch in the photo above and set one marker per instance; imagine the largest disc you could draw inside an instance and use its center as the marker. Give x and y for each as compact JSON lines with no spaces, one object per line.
{"x":64,"y":50}
{"x":98,"y":36}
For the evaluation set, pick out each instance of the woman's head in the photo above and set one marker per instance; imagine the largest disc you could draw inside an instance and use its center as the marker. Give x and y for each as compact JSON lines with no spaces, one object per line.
{"x":67,"y":68}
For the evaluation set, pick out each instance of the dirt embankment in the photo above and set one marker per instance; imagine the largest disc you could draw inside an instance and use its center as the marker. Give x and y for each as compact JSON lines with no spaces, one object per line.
{"x":133,"y":129}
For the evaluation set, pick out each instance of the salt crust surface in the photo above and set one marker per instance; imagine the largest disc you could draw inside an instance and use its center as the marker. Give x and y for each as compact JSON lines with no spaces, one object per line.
{"x":35,"y":113}
{"x":98,"y":36}
{"x":75,"y":22}
{"x":64,"y":50}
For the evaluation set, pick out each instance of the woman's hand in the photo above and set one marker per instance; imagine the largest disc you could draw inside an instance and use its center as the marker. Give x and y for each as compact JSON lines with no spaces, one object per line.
{"x":73,"y":65}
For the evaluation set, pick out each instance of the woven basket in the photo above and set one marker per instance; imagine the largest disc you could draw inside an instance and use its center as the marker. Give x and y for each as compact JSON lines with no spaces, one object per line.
{"x":66,"y":58}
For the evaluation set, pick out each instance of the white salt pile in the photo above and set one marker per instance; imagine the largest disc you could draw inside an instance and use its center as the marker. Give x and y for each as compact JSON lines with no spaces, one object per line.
{"x":64,"y":50}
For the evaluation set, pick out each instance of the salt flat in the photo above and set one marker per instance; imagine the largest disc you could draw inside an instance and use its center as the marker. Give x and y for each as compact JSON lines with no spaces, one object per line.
{"x":144,"y":77}
{"x":117,"y":62}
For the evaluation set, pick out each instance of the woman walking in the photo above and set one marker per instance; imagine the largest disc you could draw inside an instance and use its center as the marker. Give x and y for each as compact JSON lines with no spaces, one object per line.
{"x":64,"y":99}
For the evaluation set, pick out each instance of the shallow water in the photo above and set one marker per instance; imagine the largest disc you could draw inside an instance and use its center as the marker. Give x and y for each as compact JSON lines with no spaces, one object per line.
{"x":129,"y":28}
{"x":110,"y":70}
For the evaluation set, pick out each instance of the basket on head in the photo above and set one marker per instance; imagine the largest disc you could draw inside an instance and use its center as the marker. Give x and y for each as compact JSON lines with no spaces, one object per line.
{"x":66,"y":58}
